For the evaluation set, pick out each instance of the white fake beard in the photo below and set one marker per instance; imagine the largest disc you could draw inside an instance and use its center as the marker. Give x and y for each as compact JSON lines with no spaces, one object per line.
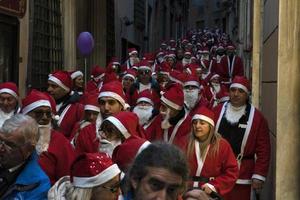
{"x":144,"y":113}
{"x":217,"y":87}
{"x":233,"y":114}
{"x":133,"y":60}
{"x":44,"y":138}
{"x":206,"y":57}
{"x":108,"y":147}
{"x":186,"y":61}
{"x":165,"y":124}
{"x":191,"y":98}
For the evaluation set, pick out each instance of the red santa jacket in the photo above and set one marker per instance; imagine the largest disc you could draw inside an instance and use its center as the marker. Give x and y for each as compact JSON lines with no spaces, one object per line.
{"x":221,"y":169}
{"x":215,"y":97}
{"x":257,"y":144}
{"x":70,"y":115}
{"x":87,"y":140}
{"x":228,"y":70}
{"x":57,"y":160}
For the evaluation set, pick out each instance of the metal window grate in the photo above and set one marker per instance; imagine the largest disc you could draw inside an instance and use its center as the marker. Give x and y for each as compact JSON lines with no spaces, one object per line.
{"x":47,"y":52}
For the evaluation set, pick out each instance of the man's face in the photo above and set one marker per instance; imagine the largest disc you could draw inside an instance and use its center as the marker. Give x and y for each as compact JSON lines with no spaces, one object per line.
{"x":109,"y":106}
{"x":144,"y":76}
{"x":164,"y":108}
{"x":56,"y":91}
{"x":110,"y":132}
{"x":127,"y":82}
{"x":108,"y":190}
{"x":42,"y":115}
{"x":91,"y":115}
{"x":7,"y":102}
{"x":238,"y":97}
{"x":179,"y":54}
{"x":159,"y":183}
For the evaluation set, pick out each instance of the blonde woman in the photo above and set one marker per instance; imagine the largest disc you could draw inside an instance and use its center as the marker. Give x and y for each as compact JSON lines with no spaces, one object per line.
{"x":213,"y":166}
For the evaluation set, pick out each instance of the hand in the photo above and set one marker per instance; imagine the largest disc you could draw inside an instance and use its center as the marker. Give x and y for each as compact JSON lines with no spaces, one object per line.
{"x":206,"y":189}
{"x":195,"y":194}
{"x":257,"y":184}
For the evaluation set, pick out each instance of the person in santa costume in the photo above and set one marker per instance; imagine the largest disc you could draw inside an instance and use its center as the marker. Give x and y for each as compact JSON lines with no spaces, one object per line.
{"x":111,"y":100}
{"x":173,"y":124}
{"x":93,"y":177}
{"x":68,"y":108}
{"x":128,"y":79}
{"x":146,"y":111}
{"x":193,"y":95}
{"x":132,"y":60}
{"x":215,"y":92}
{"x":91,"y":112}
{"x":163,"y":75}
{"x":97,"y":77}
{"x":144,"y":81}
{"x":246,"y":129}
{"x":213,"y":166}
{"x":118,"y":128}
{"x":9,"y":97}
{"x":54,"y":150}
{"x":78,"y":81}
{"x":230,"y":66}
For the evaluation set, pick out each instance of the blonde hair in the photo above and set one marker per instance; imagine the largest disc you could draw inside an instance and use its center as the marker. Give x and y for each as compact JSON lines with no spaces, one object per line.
{"x":213,"y":140}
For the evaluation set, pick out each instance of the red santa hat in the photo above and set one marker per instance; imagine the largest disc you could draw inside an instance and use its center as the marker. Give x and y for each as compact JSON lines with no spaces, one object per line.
{"x":149,"y":56}
{"x":115,"y":61}
{"x":75,"y":74}
{"x":126,"y":122}
{"x":160,"y":53}
{"x":241,"y":82}
{"x":62,"y":79}
{"x":146,"y":96}
{"x":124,"y":154}
{"x":132,"y":51}
{"x":173,"y":96}
{"x":177,"y":76}
{"x":164,"y":68}
{"x":170,"y":54}
{"x":91,"y":102}
{"x":192,"y":68}
{"x":213,"y":76}
{"x":144,"y":65}
{"x":192,"y":81}
{"x":131,"y":73}
{"x":10,"y":88}
{"x":114,"y":90}
{"x":205,"y":50}
{"x":97,"y":72}
{"x":231,"y":47}
{"x":93,"y":169}
{"x":34,"y":100}
{"x":188,"y":53}
{"x":205,"y":114}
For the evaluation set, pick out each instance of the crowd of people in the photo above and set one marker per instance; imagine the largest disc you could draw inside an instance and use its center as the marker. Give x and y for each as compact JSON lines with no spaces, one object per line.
{"x":174,"y":124}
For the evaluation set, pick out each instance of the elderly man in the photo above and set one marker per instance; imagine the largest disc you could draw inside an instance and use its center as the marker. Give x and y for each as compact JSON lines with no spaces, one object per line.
{"x":160,"y":171}
{"x":8,"y":100}
{"x":55,"y":152}
{"x":21,"y":177}
{"x":247,"y":131}
{"x":67,"y":106}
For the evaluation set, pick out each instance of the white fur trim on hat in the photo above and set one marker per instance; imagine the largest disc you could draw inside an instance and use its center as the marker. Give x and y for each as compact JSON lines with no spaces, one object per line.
{"x":132,"y":52}
{"x":119,"y":125}
{"x":144,"y":68}
{"x":92,"y":107}
{"x":9,"y":91}
{"x":58,"y":82}
{"x":103,"y":177}
{"x":113,"y":95}
{"x":170,"y":103}
{"x":205,"y":118}
{"x":193,"y":83}
{"x":238,"y":85}
{"x":129,"y":75}
{"x":145,"y":99}
{"x":34,"y":105}
{"x":76,"y":74}
{"x":165,"y":73}
{"x":142,"y":147}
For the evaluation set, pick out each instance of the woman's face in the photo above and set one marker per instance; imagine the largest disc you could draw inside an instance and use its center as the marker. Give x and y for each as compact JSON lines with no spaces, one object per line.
{"x":201,"y":129}
{"x":79,"y":82}
{"x":110,"y":132}
{"x":108,"y":190}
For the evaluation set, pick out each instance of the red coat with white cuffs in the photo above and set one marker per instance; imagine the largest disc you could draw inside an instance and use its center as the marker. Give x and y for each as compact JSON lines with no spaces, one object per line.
{"x":220,"y":168}
{"x":87,"y":140}
{"x":228,"y":70}
{"x":257,"y":144}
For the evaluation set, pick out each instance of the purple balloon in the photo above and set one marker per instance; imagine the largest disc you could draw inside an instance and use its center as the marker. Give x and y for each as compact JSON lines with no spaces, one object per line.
{"x":85,"y":43}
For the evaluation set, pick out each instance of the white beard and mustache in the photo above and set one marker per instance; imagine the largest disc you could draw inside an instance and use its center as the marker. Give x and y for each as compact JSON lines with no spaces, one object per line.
{"x":191,"y":98}
{"x":133,"y":60}
{"x":165,"y":124}
{"x":186,"y":61}
{"x":217,"y":87}
{"x":44,"y":138}
{"x":144,"y":113}
{"x":233,"y":114}
{"x":108,"y":146}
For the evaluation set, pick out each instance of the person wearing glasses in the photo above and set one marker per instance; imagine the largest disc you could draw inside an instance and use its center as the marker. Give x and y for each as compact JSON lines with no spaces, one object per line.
{"x":93,"y":176}
{"x":21,"y":177}
{"x":144,"y":81}
{"x":55,"y":152}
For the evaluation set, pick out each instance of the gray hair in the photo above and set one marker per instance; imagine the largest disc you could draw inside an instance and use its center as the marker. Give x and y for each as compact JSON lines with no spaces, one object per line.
{"x":24,"y":124}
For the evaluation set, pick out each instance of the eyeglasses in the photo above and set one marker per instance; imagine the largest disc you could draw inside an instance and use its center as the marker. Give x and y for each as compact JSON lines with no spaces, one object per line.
{"x":39,"y":113}
{"x":113,"y":188}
